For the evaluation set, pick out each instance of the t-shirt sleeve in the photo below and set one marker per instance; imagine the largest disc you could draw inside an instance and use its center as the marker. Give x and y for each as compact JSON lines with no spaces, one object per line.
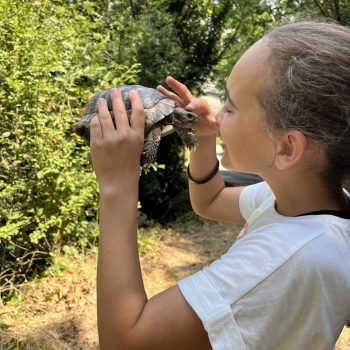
{"x":252,"y":197}
{"x":212,"y":291}
{"x":213,"y":310}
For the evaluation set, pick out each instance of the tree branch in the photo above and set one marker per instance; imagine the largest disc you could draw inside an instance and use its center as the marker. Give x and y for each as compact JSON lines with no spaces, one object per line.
{"x":323,"y":12}
{"x":337,"y":11}
{"x":228,"y":41}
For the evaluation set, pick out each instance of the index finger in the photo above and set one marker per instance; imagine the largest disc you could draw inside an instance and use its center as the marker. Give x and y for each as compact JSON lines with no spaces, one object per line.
{"x":95,"y":131}
{"x":137,"y":118}
{"x":170,"y":94}
{"x":180,"y":89}
{"x":120,"y":116}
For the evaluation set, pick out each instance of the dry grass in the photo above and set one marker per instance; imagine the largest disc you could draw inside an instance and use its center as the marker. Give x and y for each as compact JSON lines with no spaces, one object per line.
{"x":59,"y":312}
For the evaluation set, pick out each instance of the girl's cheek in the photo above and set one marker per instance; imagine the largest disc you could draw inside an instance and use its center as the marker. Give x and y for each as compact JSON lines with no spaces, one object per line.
{"x":223,"y":133}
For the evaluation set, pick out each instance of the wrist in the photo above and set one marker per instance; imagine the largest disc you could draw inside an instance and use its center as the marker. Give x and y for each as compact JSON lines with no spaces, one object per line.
{"x":119,"y":190}
{"x":206,"y":146}
{"x":205,"y":179}
{"x":206,"y":137}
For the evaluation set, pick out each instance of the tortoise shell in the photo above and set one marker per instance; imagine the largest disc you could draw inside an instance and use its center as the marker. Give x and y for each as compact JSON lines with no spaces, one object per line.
{"x":162,"y":117}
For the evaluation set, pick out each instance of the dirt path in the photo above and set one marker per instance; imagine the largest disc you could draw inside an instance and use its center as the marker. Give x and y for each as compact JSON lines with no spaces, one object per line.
{"x":61,"y":313}
{"x":184,"y":252}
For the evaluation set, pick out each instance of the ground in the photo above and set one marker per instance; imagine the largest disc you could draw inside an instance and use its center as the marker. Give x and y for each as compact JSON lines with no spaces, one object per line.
{"x":60,"y":313}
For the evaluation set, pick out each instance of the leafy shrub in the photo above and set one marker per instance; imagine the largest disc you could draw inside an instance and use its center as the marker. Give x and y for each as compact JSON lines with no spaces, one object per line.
{"x":52,"y":59}
{"x":164,"y":190}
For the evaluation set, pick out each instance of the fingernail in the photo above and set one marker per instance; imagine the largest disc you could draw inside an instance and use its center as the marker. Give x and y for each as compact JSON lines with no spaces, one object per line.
{"x":101,"y":100}
{"x":115,"y":91}
{"x":133,"y":92}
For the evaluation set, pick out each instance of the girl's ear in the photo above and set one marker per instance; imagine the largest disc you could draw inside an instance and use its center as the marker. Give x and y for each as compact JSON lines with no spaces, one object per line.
{"x":290,"y":149}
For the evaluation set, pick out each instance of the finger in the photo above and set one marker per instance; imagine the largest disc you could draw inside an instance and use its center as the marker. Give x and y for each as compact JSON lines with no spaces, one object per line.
{"x":120,"y":115}
{"x":169,"y":94}
{"x":191,"y":106}
{"x":179,"y":88}
{"x":95,"y":131}
{"x":105,"y":118}
{"x":137,"y":119}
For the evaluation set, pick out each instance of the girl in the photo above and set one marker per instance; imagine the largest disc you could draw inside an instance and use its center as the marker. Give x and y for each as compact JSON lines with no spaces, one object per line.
{"x":285,"y":283}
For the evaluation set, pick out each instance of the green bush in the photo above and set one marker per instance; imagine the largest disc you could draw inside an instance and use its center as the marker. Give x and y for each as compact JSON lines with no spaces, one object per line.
{"x":164,"y":190}
{"x":52,"y":60}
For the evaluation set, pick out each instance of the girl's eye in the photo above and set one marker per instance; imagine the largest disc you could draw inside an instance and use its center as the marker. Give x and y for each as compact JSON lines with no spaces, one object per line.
{"x":226,"y":110}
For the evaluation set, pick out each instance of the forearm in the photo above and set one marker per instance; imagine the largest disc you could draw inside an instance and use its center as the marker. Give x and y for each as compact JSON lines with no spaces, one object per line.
{"x":120,"y":292}
{"x":202,"y":162}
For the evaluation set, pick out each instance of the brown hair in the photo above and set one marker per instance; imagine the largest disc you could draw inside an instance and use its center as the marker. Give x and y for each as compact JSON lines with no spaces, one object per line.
{"x":309,"y":63}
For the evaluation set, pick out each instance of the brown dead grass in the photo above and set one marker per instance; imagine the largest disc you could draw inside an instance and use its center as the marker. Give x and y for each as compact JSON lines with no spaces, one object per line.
{"x":60,"y":312}
{"x":55,"y":313}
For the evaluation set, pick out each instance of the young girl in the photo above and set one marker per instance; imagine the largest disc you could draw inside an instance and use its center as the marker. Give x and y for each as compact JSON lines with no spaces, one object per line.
{"x":285,"y":283}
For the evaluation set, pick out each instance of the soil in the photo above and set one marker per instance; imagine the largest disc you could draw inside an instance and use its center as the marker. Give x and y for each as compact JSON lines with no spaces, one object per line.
{"x":184,"y":252}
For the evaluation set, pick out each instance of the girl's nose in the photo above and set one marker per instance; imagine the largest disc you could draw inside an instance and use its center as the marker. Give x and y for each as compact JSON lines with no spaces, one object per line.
{"x":219,"y":116}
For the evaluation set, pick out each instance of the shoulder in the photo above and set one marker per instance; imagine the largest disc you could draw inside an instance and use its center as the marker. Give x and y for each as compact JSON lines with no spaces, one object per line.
{"x":253,"y":196}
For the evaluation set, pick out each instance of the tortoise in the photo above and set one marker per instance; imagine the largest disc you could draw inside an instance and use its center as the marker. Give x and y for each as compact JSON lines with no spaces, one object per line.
{"x":163,"y":116}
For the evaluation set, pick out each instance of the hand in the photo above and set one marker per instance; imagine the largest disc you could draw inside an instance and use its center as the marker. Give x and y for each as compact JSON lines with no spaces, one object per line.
{"x":206,"y":123}
{"x":116,"y":152}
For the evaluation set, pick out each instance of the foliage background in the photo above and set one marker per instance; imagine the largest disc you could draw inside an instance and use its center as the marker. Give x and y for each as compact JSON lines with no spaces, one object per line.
{"x":54,"y":55}
{"x":52,"y":58}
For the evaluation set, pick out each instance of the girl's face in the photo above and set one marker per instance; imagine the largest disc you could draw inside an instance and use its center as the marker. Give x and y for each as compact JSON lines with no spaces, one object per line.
{"x":247,"y":146}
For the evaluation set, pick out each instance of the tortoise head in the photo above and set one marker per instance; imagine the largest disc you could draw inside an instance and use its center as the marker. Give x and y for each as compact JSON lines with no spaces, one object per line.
{"x":183,"y":118}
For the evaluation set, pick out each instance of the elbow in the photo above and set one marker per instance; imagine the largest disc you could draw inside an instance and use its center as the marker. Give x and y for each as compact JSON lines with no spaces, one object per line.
{"x":203,"y":208}
{"x":200,"y":211}
{"x":196,"y":208}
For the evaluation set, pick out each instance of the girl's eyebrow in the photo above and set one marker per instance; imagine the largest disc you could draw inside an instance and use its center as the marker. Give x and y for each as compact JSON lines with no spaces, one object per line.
{"x":227,"y":95}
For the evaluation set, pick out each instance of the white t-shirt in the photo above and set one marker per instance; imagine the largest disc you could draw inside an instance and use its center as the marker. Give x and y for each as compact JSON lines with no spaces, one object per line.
{"x":284,"y":284}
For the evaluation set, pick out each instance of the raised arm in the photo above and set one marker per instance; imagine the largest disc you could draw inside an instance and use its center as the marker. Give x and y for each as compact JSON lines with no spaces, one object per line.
{"x":127,"y":320}
{"x":211,"y":200}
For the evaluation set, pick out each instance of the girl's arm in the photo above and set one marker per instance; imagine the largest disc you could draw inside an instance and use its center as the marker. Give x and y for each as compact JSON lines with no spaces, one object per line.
{"x":211,"y":200}
{"x":126,"y":318}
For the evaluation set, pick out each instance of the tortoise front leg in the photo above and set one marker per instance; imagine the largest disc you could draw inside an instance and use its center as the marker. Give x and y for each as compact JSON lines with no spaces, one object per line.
{"x":149,"y":152}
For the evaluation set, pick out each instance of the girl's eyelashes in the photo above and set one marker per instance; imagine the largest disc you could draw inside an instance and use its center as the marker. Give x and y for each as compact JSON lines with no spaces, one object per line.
{"x":226,"y":110}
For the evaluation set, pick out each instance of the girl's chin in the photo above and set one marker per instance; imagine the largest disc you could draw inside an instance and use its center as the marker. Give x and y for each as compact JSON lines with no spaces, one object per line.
{"x":225,"y":162}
